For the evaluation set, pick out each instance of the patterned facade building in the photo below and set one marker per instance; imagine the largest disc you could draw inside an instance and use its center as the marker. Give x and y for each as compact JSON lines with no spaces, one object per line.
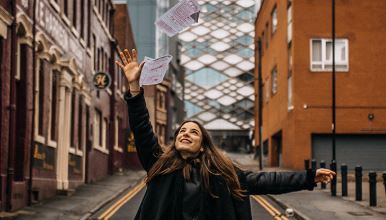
{"x":218,"y":54}
{"x":296,"y":59}
{"x":57,"y":130}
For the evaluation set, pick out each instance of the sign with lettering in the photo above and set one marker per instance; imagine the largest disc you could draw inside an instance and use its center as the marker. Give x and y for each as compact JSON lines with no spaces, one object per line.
{"x":74,"y":164}
{"x":44,"y":157}
{"x":131,"y":143}
{"x":102,"y":80}
{"x":54,"y":26}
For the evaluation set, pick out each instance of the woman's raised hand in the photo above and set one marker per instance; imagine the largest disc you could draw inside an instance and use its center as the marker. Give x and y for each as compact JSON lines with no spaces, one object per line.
{"x":130,"y":67}
{"x":324,"y":175}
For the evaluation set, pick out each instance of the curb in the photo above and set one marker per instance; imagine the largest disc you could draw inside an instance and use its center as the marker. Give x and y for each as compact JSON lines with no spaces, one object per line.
{"x":298,"y":214}
{"x":107,"y":201}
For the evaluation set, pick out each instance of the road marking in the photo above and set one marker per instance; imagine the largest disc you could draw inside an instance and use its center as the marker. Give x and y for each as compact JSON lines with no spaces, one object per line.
{"x":267,"y":206}
{"x":117,"y":205}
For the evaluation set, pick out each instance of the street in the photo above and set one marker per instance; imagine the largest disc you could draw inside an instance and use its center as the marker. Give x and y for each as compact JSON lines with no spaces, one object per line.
{"x":126,"y":206}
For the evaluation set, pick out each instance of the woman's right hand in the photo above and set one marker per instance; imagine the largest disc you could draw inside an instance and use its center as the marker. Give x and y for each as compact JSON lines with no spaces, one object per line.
{"x":130,"y":67}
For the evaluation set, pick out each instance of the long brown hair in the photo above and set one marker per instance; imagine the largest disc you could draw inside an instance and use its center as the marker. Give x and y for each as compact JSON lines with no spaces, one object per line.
{"x":212,"y":162}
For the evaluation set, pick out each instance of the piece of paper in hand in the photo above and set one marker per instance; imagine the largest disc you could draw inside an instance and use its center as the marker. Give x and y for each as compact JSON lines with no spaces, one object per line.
{"x":154,"y":70}
{"x":182,"y":15}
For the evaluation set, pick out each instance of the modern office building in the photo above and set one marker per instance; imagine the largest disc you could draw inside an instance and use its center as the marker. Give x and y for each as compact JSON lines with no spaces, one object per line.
{"x":218,"y":54}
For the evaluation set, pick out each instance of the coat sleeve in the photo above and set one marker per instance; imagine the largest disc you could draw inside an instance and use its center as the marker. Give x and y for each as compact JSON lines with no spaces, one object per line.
{"x":146,"y":142}
{"x":276,"y":182}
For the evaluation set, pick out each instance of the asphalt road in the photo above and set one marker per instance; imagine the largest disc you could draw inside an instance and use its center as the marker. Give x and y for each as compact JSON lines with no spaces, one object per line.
{"x":125,"y":207}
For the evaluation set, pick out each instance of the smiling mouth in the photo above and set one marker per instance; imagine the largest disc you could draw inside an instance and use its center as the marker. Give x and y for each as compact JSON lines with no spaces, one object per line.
{"x":185,"y":141}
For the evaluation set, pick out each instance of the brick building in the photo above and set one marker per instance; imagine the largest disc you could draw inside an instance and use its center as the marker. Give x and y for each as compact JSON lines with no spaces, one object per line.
{"x":296,"y":59}
{"x":54,"y":122}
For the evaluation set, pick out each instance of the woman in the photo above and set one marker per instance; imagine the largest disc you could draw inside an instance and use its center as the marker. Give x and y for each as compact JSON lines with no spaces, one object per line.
{"x":192,"y":179}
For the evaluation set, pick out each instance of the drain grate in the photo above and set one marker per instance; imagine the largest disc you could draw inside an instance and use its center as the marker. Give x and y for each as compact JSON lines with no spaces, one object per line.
{"x":360,"y":213}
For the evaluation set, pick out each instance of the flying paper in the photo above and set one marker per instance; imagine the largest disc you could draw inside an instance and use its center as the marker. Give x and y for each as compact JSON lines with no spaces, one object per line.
{"x":154,"y":70}
{"x":182,"y":15}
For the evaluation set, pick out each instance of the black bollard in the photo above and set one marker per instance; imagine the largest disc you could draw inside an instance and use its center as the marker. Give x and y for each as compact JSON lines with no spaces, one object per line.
{"x":358,"y":183}
{"x":384,"y":181}
{"x":322,"y":165}
{"x":343,"y":169}
{"x":333,"y":182}
{"x":313,"y":164}
{"x":373,"y":188}
{"x":306,"y":164}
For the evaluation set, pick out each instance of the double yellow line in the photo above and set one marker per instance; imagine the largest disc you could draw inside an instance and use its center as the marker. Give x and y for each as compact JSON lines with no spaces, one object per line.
{"x":270,"y":209}
{"x":117,"y":205}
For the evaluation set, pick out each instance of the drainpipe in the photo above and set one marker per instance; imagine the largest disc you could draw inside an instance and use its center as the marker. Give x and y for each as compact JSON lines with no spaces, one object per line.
{"x":113,"y":46}
{"x":12,"y":110}
{"x":31,"y":157}
{"x":260,"y":106}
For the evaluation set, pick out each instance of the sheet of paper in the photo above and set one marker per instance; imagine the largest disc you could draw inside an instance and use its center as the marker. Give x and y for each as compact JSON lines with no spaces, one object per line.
{"x":182,"y":15}
{"x":154,"y":70}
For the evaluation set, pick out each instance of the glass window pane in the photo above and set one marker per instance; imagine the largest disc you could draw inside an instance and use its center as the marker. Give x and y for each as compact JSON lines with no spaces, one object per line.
{"x":316,"y":50}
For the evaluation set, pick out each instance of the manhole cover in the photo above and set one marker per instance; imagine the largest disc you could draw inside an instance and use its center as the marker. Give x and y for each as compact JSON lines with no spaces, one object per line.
{"x":360,"y":213}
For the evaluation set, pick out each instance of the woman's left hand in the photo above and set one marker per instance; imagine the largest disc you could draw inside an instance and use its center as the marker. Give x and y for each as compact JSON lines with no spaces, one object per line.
{"x":324,"y":175}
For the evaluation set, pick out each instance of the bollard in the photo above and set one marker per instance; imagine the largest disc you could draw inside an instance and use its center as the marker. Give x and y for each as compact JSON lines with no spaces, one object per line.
{"x":313,"y":164}
{"x":306,"y":164}
{"x":358,"y":183}
{"x":343,"y":169}
{"x":373,"y":188}
{"x":333,"y":182}
{"x":322,"y":165}
{"x":384,"y":181}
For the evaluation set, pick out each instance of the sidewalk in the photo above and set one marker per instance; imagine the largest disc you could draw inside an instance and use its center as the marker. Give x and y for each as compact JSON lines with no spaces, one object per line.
{"x":86,"y":200}
{"x":319,"y":204}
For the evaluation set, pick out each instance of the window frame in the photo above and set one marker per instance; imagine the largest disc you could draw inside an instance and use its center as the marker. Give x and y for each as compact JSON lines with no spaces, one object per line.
{"x":325,"y":62}
{"x":273,"y":26}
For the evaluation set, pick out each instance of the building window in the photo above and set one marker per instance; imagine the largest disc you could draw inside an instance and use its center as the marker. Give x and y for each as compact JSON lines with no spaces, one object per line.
{"x":75,"y":12}
{"x":72,"y":133}
{"x":89,"y":23}
{"x":41,"y":96}
{"x":80,"y":125}
{"x":105,"y":133}
{"x":82,"y":8}
{"x":274,"y":80}
{"x":289,"y":22}
{"x":95,"y":52}
{"x":266,"y":90}
{"x":97,"y":128}
{"x":290,"y":102}
{"x":321,"y":54}
{"x":274,"y":20}
{"x":65,"y":6}
{"x":266,"y":35}
{"x":262,"y":42}
{"x":53,"y":104}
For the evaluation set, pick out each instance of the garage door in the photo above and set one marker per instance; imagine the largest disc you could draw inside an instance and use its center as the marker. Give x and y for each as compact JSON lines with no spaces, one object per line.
{"x":369,"y":151}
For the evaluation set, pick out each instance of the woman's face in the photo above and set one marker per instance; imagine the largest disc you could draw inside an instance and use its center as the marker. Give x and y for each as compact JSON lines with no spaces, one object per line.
{"x":189,"y":138}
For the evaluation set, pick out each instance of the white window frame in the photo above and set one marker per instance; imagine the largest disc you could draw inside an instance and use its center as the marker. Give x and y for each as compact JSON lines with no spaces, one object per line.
{"x":290,"y":93}
{"x":273,"y":19}
{"x":96,"y":126}
{"x":289,"y":23}
{"x":324,"y":61}
{"x":116,"y":136}
{"x":274,"y":81}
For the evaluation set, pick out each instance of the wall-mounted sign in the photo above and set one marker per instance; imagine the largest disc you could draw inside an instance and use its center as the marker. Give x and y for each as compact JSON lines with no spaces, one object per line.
{"x":131,"y":143}
{"x":44,"y":157}
{"x":101,"y":80}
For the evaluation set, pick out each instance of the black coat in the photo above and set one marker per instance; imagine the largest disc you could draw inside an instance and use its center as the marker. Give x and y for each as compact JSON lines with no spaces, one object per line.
{"x":164,"y":194}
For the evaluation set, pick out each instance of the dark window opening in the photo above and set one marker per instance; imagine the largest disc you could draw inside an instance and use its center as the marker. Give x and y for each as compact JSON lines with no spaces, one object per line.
{"x":41,"y":97}
{"x":80,"y":126}
{"x":72,"y":133}
{"x":53,"y":104}
{"x":75,"y":13}
{"x":82,"y":8}
{"x":21,"y":114}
